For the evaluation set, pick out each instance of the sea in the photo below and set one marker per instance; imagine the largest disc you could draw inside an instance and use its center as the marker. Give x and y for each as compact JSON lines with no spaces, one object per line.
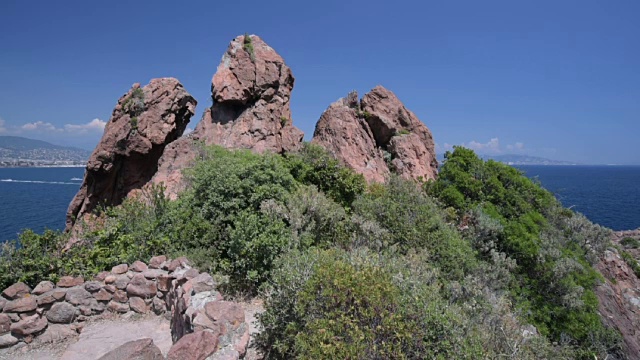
{"x":37,"y":198}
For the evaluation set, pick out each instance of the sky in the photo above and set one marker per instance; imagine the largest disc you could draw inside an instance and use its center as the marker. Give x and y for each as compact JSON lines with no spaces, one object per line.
{"x":556,"y":79}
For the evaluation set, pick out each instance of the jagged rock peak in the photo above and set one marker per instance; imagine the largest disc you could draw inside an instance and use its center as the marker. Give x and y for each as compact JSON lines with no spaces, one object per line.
{"x":376,"y":136}
{"x":143,"y":122}
{"x":251,"y":91}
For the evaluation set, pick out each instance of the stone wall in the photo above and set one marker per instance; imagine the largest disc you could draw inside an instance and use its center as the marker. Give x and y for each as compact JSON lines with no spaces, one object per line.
{"x":202,"y":323}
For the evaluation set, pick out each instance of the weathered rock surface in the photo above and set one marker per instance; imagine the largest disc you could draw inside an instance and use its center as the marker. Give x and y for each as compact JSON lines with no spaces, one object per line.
{"x":376,"y":136}
{"x":5,"y":324}
{"x":7,"y":340}
{"x":61,"y":312}
{"x":70,"y":281}
{"x":29,"y":325}
{"x":619,"y":297}
{"x":16,"y":290}
{"x":143,"y":122}
{"x":20,"y":305}
{"x":43,"y":287}
{"x":143,"y":349}
{"x":194,"y":346}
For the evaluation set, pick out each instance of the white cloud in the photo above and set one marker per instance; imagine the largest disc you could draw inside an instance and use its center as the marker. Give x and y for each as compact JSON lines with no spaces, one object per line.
{"x":2,"y":128}
{"x":491,"y":147}
{"x":39,"y":126}
{"x":93,"y":126}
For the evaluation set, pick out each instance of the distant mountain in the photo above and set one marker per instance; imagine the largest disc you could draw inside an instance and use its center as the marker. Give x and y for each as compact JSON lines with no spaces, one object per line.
{"x":20,"y":151}
{"x":514,"y":159}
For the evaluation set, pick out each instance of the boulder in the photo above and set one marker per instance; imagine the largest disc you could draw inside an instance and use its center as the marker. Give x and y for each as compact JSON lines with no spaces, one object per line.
{"x":61,"y":312}
{"x":140,"y":286}
{"x":225,"y":314}
{"x":3,"y":301}
{"x":200,"y":283}
{"x":159,"y":305}
{"x":122,"y":281}
{"x":103,"y":295}
{"x":194,"y":346}
{"x":21,"y":305}
{"x":377,"y":136}
{"x":102,"y":276}
{"x":143,"y":349}
{"x":143,"y":122}
{"x":118,"y":307}
{"x":29,"y":325}
{"x":16,"y":290}
{"x":7,"y":340}
{"x":92,"y":286}
{"x":154,"y":273}
{"x":43,"y":287}
{"x":120,"y":296}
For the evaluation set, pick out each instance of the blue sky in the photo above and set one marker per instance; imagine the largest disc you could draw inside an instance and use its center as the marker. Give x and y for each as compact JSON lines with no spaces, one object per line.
{"x":558,"y":79}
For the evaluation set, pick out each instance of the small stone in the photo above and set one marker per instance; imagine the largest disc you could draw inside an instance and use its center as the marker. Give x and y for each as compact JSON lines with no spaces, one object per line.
{"x":77,"y":327}
{"x":122,"y":281}
{"x":43,"y":287}
{"x":118,"y":307}
{"x":154,"y":273}
{"x":120,"y":296}
{"x":198,"y":345}
{"x":120,"y":269}
{"x":5,"y":324}
{"x":97,"y":306}
{"x":138,"y":305}
{"x":70,"y":281}
{"x":139,"y":286}
{"x":30,"y":325}
{"x":139,"y":266}
{"x":157,"y":261}
{"x":78,"y":296}
{"x":61,"y":312}
{"x":101,"y":276}
{"x":92,"y":286}
{"x":110,"y":279}
{"x":164,"y":282}
{"x":19,"y":305}
{"x":16,"y":290}
{"x":14,"y":317}
{"x":110,"y":288}
{"x":200,"y":283}
{"x":7,"y":340}
{"x":2,"y":302}
{"x":179,"y":262}
{"x":85,"y":310}
{"x":52,"y":296}
{"x":103,"y":295}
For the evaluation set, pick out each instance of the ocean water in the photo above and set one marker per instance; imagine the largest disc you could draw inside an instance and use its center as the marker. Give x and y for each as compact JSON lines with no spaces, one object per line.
{"x":37,"y":198}
{"x":607,"y":195}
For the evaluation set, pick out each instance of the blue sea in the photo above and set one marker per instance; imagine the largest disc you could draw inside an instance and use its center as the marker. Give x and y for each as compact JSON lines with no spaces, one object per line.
{"x":38,"y":198}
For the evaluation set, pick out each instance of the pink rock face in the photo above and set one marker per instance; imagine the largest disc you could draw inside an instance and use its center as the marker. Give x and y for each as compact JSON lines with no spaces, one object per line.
{"x":251,"y":91}
{"x":194,"y":346}
{"x":377,"y":136}
{"x":143,"y":122}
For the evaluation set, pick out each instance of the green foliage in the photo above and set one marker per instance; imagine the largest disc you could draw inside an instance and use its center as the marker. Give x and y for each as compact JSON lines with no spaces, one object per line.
{"x":134,"y":105}
{"x":247,"y":45}
{"x":315,"y":166}
{"x":630,"y":243}
{"x":631,"y":261}
{"x":134,"y":123}
{"x":403,"y":132}
{"x":284,"y":120}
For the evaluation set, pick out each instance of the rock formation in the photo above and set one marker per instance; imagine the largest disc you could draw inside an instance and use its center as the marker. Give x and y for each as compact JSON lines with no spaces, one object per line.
{"x":376,"y":136}
{"x":143,"y":122}
{"x":619,"y":295}
{"x":251,"y":91}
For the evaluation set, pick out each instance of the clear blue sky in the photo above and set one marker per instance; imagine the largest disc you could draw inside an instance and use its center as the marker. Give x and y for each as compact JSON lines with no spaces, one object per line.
{"x":558,"y":79}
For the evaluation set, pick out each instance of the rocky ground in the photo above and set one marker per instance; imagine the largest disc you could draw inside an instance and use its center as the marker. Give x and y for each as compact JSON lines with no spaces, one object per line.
{"x":98,"y":337}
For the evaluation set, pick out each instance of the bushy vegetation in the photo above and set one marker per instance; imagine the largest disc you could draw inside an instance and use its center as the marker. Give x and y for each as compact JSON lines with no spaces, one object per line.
{"x":457,"y":268}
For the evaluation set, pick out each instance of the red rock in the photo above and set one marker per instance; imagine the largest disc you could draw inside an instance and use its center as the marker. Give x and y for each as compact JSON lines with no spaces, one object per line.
{"x":138,"y":305}
{"x":120,"y":296}
{"x":114,"y":306}
{"x":164,"y":282}
{"x":7,"y":340}
{"x":120,"y":269}
{"x":70,"y":281}
{"x":157,"y":261}
{"x":176,"y":263}
{"x":61,"y":312}
{"x":228,"y":315}
{"x":16,"y":290}
{"x":3,"y":301}
{"x":29,"y":325}
{"x":110,"y":288}
{"x":110,"y":279}
{"x":103,"y":295}
{"x":143,"y":122}
{"x":143,"y":349}
{"x":21,"y":305}
{"x":139,"y":266}
{"x":78,"y":296}
{"x":43,"y":287}
{"x":140,"y":286}
{"x":377,"y":136}
{"x":159,"y":306}
{"x":101,"y":276}
{"x":52,"y":296}
{"x":194,"y":346}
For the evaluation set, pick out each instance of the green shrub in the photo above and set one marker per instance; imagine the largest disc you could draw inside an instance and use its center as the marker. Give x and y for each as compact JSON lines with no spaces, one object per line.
{"x":630,"y":243}
{"x":247,"y":45}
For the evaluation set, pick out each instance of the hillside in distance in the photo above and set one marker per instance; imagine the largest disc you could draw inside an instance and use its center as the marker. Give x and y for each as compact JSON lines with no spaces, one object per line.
{"x":20,"y":151}
{"x":515,"y":159}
